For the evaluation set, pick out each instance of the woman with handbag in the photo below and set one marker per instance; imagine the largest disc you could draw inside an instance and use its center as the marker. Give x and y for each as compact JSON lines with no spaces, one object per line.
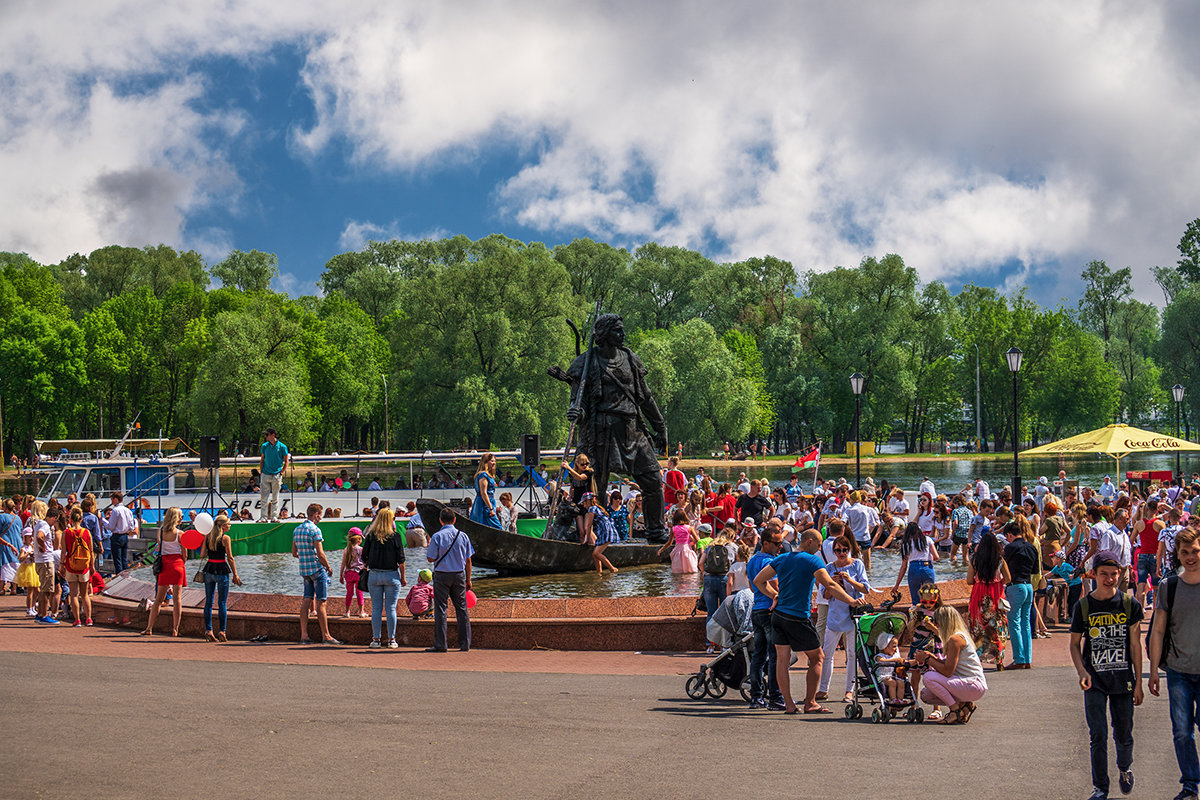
{"x":987,"y":575}
{"x":383,"y":555}
{"x":172,"y":575}
{"x":219,"y":566}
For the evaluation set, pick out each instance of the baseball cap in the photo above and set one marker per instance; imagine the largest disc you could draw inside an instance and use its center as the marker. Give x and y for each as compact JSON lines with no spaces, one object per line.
{"x":425,"y":575}
{"x":704,"y":527}
{"x":1105,"y":559}
{"x":731,"y":520}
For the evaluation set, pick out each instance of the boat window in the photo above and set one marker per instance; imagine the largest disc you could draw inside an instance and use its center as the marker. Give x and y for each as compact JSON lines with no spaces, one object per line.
{"x":104,"y":481}
{"x":47,"y":488}
{"x":72,"y":480}
{"x":147,"y":481}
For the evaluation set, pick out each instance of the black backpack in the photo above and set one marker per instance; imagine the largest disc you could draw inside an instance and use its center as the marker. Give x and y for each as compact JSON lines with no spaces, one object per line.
{"x":716,"y":559}
{"x":1165,"y":591}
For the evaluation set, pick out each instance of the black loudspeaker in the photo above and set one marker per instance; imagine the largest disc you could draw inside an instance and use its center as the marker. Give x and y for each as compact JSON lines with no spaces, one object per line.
{"x":210,"y":452}
{"x":531,"y":450}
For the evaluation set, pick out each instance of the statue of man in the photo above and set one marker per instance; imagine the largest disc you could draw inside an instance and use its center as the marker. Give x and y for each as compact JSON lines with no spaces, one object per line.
{"x":620,"y":426}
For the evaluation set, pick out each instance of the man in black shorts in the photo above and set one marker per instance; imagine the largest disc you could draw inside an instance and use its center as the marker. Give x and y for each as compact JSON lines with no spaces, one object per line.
{"x":791,"y":625}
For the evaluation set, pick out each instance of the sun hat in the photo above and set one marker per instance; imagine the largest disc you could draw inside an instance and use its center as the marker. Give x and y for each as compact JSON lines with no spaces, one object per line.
{"x":704,"y":528}
{"x":748,"y":523}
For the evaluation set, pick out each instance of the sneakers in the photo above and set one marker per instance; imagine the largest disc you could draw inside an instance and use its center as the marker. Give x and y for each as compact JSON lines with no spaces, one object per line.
{"x":375,"y":645}
{"x":46,"y":620}
{"x":1098,"y":795}
{"x":1125,"y":779}
{"x":756,"y":705}
{"x":76,"y":624}
{"x":88,"y":623}
{"x":1185,"y":795}
{"x":391,"y":645}
{"x":31,"y":612}
{"x":776,"y":706}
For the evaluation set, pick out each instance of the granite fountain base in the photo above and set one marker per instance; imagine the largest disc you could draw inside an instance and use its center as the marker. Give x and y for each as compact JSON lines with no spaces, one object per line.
{"x":588,"y":623}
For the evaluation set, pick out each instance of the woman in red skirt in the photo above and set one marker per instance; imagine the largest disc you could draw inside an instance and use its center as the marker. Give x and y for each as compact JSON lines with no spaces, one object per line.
{"x":173,"y":576}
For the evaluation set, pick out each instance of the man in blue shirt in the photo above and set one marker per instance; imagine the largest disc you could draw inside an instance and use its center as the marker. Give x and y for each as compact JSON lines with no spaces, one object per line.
{"x":450,"y":553}
{"x":272,"y":461}
{"x":791,"y":626}
{"x":763,"y":657}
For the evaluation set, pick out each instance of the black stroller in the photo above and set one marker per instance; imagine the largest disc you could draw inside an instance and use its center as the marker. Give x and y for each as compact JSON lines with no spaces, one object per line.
{"x":729,"y":669}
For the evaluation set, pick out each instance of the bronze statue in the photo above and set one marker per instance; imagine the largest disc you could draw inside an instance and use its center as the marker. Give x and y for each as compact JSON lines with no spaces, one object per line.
{"x":620,"y":426}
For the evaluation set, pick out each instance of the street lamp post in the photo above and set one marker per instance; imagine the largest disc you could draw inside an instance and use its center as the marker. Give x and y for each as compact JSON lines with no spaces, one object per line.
{"x":1177,"y":392}
{"x":1013,"y":356}
{"x":387,"y":418}
{"x":856,"y":384}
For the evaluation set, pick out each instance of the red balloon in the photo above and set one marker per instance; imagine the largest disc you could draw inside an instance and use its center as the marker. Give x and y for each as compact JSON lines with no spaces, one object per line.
{"x":191,"y":539}
{"x":471,"y":599}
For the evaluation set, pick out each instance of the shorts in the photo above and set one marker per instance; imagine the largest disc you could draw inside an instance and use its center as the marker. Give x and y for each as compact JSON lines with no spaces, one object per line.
{"x":46,"y":577}
{"x":958,"y":538}
{"x":1145,"y":567}
{"x":943,"y":547}
{"x":75,"y":577}
{"x":316,"y":587}
{"x":798,"y":633}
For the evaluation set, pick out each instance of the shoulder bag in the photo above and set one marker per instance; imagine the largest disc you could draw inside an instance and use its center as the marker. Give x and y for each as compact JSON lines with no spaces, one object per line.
{"x":364,"y":574}
{"x":156,"y":566}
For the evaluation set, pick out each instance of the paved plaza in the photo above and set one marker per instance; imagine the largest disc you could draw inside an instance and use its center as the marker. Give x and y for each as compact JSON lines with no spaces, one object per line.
{"x":185,"y":719}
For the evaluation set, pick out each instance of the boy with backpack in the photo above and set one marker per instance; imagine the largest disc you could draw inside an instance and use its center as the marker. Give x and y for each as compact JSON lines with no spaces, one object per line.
{"x":1175,"y":647}
{"x":1107,"y":652}
{"x":78,"y":558}
{"x":715,"y":561}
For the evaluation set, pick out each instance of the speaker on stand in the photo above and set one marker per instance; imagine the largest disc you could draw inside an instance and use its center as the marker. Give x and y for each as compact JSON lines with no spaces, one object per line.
{"x":531,"y":459}
{"x":210,"y":459}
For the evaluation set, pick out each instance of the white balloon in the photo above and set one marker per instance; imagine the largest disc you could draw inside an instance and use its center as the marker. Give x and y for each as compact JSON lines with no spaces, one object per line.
{"x":203,"y":522}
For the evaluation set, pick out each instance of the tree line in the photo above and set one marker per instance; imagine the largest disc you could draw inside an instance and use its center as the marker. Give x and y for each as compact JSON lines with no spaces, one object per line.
{"x":445,"y":343}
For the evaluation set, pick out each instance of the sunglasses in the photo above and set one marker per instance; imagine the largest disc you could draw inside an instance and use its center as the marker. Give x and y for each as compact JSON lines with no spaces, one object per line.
{"x":841,"y":549}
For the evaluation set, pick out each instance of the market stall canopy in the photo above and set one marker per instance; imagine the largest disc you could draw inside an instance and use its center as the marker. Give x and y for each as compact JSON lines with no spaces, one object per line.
{"x":1117,"y":441}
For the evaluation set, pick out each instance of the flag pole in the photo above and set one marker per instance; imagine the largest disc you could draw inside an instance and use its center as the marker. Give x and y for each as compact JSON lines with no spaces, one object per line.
{"x":817,"y":466}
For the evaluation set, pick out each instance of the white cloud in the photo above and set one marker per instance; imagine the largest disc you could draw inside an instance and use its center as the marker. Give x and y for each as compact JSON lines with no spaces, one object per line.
{"x":962,"y":136}
{"x":357,"y":234}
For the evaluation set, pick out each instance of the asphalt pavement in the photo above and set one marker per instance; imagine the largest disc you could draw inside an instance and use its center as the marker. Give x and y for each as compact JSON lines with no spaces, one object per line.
{"x":98,"y":726}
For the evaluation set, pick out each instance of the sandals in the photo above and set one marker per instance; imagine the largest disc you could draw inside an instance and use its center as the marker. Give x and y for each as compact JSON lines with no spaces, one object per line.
{"x":966,"y":711}
{"x":221,"y":636}
{"x":953,"y":717}
{"x":935,"y":716}
{"x":209,"y":637}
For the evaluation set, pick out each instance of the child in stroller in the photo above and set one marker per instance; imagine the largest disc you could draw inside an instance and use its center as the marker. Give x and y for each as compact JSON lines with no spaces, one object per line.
{"x":887,"y":663}
{"x":876,"y":635}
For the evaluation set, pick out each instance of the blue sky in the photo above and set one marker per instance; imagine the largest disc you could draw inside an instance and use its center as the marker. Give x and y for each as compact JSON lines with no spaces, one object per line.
{"x":1002,"y":143}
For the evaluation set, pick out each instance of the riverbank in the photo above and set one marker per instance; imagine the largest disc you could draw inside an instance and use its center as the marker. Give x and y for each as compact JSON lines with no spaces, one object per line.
{"x":776,"y":462}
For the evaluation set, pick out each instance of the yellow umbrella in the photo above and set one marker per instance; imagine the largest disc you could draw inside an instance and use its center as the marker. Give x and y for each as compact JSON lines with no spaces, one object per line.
{"x":1117,"y":441}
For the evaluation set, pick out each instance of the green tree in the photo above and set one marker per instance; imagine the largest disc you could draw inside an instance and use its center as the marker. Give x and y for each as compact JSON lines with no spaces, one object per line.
{"x":252,"y":377}
{"x":1189,"y":251}
{"x":248,"y":272}
{"x":704,"y":400}
{"x":1103,"y":292}
{"x":595,"y":270}
{"x":475,"y":337}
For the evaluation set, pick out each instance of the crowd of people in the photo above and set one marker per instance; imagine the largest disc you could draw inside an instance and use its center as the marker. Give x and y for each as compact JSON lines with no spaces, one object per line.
{"x":1101,"y":559}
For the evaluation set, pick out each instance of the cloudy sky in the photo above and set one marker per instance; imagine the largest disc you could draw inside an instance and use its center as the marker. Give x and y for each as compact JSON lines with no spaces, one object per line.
{"x":1002,"y":142}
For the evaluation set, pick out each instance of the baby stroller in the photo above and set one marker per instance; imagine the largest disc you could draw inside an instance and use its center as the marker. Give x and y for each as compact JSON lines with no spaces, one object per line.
{"x":867,"y":687}
{"x":729,"y":669}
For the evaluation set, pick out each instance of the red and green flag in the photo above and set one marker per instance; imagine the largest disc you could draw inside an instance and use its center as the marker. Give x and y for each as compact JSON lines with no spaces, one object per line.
{"x":809,"y":459}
